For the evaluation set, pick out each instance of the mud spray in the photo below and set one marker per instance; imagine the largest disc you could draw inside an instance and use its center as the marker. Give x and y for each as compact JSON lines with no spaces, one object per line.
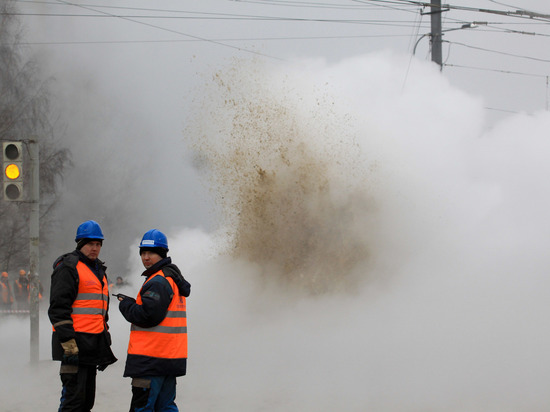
{"x":288,"y":176}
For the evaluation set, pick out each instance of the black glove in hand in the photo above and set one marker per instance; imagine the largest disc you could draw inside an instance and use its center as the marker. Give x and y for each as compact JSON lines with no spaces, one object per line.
{"x":70,"y":360}
{"x":126,"y":302}
{"x":122,"y":298}
{"x":70,"y":352}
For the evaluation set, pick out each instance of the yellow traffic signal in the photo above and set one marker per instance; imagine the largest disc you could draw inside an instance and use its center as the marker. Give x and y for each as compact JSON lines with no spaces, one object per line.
{"x":12,"y":171}
{"x":12,"y":164}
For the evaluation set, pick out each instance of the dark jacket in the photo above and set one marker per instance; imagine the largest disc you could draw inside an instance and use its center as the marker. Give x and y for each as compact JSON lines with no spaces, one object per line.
{"x":156,"y":296}
{"x":94,"y":348}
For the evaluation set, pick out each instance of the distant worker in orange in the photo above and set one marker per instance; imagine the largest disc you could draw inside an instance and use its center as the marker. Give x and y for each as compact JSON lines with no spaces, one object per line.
{"x":118,"y":284}
{"x":21,"y":291}
{"x":22,"y":288}
{"x":6,"y":297}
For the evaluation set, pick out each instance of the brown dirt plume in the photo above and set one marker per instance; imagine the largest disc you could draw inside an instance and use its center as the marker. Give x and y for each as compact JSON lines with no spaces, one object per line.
{"x":287,"y":174}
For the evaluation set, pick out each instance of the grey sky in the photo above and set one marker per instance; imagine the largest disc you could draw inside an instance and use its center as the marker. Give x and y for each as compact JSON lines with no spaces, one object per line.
{"x":128,"y":74}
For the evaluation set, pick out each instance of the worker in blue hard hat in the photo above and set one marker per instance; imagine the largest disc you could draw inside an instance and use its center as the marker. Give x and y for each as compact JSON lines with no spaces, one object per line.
{"x":157,"y":350}
{"x":79,"y":305}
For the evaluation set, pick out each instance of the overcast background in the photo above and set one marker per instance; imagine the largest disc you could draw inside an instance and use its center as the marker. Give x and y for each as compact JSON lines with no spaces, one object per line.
{"x":128,"y":76}
{"x":422,"y":282}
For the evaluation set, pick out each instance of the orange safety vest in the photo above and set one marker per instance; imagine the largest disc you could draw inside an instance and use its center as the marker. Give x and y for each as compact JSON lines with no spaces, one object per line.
{"x":90,"y":305}
{"x":21,"y":291}
{"x":7,"y":297}
{"x":168,"y":339}
{"x":24,"y":291}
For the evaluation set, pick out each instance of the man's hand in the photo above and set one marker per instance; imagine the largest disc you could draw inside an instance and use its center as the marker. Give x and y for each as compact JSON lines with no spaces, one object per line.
{"x":70,"y":352}
{"x":121,"y":297}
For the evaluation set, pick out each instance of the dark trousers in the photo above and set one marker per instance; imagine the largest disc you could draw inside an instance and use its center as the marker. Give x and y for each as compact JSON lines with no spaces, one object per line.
{"x":78,"y":392}
{"x":154,"y":394}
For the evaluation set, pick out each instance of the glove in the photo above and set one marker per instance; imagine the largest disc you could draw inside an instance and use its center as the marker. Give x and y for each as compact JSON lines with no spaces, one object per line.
{"x":70,"y":352}
{"x":121,"y":298}
{"x":130,"y":299}
{"x":125,"y":303}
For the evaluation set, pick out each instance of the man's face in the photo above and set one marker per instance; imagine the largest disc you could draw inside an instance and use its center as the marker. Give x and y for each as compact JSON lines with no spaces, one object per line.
{"x":149,"y":258}
{"x":91,"y":249}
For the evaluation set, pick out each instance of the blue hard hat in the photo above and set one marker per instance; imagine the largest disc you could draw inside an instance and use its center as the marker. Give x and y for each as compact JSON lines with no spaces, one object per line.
{"x":154,"y":238}
{"x":89,"y":230}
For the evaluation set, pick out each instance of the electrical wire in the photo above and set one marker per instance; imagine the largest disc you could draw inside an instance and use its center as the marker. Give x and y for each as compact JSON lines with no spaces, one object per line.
{"x":500,"y":52}
{"x":340,"y":7}
{"x":405,"y":23}
{"x":405,"y":5}
{"x":412,"y":37}
{"x":495,"y":70}
{"x":220,"y":39}
{"x":228,"y":16}
{"x":176,"y":32}
{"x":301,"y":4}
{"x":501,"y":110}
{"x":138,"y":15}
{"x":521,"y":13}
{"x":388,"y":7}
{"x":504,"y":4}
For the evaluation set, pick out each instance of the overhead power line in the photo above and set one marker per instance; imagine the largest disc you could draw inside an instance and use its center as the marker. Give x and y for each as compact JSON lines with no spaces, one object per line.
{"x":246,"y":18}
{"x":218,"y":40}
{"x":512,"y":13}
{"x":500,"y":52}
{"x":264,"y":15}
{"x":496,"y":70}
{"x":174,"y":31}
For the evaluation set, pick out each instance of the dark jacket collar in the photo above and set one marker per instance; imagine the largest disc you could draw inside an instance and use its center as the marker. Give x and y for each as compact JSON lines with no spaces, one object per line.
{"x":157,"y":266}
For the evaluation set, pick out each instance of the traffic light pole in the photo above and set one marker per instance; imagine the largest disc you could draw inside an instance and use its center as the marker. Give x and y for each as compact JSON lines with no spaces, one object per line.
{"x":34,"y":238}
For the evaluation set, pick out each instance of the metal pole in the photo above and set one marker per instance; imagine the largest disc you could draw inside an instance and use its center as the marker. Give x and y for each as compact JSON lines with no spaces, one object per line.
{"x":436,"y":35}
{"x":34,"y":247}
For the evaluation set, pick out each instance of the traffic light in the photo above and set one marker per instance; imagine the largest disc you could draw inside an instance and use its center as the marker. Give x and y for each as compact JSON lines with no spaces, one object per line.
{"x":12,"y":166}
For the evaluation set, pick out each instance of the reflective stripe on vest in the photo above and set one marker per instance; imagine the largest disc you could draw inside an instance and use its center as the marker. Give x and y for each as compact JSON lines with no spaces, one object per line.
{"x":167,"y":340}
{"x":90,"y":305}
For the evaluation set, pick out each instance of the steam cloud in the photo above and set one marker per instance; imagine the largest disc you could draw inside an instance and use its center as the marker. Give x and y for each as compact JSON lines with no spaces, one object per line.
{"x":378,"y":249}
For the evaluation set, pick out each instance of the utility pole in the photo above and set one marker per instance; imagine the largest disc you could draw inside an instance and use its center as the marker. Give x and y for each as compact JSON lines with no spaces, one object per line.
{"x":34,"y":239}
{"x":436,"y":34}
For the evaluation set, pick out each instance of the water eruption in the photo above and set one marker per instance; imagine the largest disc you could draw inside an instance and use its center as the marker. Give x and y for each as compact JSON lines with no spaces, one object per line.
{"x":289,"y":177}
